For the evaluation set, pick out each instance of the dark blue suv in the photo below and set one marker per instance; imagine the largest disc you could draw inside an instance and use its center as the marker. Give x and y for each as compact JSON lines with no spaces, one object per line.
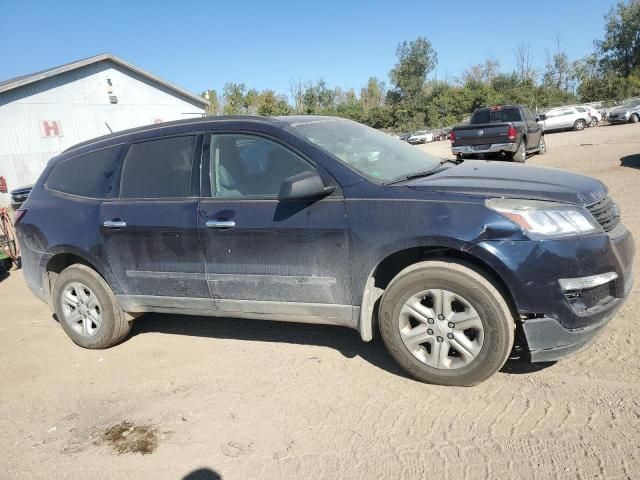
{"x":324,"y":220}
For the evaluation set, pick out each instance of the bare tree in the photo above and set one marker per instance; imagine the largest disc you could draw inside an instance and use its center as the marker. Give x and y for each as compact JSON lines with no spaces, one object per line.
{"x":524,"y":63}
{"x":296,"y":89}
{"x":558,"y":73}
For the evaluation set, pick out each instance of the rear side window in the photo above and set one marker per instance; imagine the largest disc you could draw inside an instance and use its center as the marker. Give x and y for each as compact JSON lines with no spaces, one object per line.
{"x":158,"y":169}
{"x":89,"y":175}
{"x":481,"y":116}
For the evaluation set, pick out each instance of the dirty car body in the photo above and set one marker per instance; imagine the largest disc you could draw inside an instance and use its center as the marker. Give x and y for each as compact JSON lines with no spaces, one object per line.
{"x":329,"y":257}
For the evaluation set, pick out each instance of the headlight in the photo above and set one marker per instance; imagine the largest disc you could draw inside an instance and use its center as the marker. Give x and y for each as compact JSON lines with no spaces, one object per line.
{"x":545,"y":219}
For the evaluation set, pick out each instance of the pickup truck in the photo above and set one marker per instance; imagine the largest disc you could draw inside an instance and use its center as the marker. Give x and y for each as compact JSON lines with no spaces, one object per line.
{"x":510,"y":131}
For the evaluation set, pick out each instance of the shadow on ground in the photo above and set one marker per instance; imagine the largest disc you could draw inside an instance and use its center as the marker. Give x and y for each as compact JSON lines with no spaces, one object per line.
{"x":631,"y":161}
{"x":344,"y":340}
{"x":202,"y":474}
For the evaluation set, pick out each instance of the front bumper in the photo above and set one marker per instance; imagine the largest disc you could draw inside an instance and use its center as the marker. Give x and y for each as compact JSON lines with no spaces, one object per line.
{"x":548,"y":341}
{"x":554,"y":323}
{"x":489,"y":148}
{"x":619,"y":118}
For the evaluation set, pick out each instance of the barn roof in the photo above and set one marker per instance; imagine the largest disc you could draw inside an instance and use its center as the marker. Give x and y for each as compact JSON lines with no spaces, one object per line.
{"x":16,"y":82}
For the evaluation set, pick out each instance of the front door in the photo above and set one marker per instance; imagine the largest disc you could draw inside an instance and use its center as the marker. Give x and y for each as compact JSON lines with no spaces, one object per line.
{"x":150,"y":231}
{"x":265,"y":258}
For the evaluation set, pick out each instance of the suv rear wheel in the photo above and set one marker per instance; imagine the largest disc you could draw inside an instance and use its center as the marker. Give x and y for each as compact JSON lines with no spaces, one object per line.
{"x":87,"y":309}
{"x":445,"y":323}
{"x":579,"y":125}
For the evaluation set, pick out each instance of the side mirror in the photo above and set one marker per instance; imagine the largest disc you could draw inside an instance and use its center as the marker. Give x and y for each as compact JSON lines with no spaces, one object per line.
{"x":304,"y":186}
{"x":541,"y":118}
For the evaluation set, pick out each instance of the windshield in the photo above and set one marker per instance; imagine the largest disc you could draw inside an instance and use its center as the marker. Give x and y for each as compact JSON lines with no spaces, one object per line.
{"x":376,"y":155}
{"x":633,"y":103}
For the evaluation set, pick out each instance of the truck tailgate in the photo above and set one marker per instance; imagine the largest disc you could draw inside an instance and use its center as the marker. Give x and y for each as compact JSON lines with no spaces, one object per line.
{"x":482,"y":134}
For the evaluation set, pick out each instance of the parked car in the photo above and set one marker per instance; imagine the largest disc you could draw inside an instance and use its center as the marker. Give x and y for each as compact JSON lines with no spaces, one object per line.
{"x":564,"y":118}
{"x":294,"y":219}
{"x":19,"y":196}
{"x":594,"y":114}
{"x":627,"y":113}
{"x":421,"y":136}
{"x":505,"y":130}
{"x":404,"y":136}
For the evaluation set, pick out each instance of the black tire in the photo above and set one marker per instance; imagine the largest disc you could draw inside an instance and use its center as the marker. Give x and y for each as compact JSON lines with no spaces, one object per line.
{"x":542,"y":145}
{"x":520,"y":155}
{"x":593,"y":122}
{"x":634,"y":118}
{"x":488,"y":302}
{"x":579,"y":125}
{"x":115,"y":325}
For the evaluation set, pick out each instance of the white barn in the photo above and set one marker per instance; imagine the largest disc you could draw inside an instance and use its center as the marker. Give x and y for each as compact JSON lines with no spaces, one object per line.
{"x":46,"y":112}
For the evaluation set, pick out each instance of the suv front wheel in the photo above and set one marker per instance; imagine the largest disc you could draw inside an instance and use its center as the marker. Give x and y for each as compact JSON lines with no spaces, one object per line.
{"x":87,"y":309}
{"x":446,"y":324}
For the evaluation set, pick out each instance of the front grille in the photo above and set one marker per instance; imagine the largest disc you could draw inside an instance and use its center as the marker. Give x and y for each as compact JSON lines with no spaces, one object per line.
{"x":606,"y":212}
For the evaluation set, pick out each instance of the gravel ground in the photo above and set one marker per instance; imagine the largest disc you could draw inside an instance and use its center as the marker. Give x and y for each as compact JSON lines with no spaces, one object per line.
{"x":215,"y":398}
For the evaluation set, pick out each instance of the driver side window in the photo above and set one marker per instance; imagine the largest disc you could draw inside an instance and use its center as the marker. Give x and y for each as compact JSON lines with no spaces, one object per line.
{"x":250,"y":166}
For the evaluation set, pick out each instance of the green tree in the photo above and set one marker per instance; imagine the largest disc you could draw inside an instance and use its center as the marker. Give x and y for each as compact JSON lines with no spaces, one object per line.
{"x":212,"y":97}
{"x":558,"y":73}
{"x":271,"y":104}
{"x":620,"y":48}
{"x":233,"y":94}
{"x":373,"y":94}
{"x":416,"y":59}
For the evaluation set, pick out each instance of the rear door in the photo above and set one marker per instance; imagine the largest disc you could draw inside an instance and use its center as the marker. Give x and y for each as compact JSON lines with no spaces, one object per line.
{"x":150,"y":229}
{"x":568,"y":117}
{"x":265,"y":258}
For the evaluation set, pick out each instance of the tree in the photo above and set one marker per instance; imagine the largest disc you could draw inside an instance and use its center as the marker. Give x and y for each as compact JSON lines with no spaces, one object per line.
{"x":271,"y":104}
{"x":416,"y":59}
{"x":373,"y":94}
{"x":233,"y":94}
{"x":620,"y":48}
{"x":558,"y":72}
{"x":212,"y":97}
{"x":296,"y":90}
{"x":482,"y":72}
{"x":250,"y":101}
{"x":524,"y":63}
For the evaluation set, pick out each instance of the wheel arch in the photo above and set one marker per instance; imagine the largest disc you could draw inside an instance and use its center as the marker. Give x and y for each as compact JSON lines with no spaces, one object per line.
{"x":63,"y":257}
{"x":390,"y":266}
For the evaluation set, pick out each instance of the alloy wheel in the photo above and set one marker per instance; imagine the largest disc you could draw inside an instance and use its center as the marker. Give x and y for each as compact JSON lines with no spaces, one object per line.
{"x":441,"y":329}
{"x":81,"y":309}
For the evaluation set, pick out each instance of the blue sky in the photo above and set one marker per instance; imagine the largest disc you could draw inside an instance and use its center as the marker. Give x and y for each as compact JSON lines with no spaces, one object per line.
{"x":266,"y":44}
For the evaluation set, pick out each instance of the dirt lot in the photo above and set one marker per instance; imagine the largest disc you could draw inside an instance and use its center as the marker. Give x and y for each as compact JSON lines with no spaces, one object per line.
{"x":247,"y":399}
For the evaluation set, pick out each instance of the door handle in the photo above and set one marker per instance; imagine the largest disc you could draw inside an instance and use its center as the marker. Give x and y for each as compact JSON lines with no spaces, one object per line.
{"x":220,"y":224}
{"x":114,"y":224}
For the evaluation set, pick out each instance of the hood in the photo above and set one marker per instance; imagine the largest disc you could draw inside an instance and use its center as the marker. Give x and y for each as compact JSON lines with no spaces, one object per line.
{"x":502,"y":179}
{"x":620,"y":110}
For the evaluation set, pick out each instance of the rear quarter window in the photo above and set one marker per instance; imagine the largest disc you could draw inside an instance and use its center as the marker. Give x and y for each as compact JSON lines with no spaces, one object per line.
{"x":89,"y":175}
